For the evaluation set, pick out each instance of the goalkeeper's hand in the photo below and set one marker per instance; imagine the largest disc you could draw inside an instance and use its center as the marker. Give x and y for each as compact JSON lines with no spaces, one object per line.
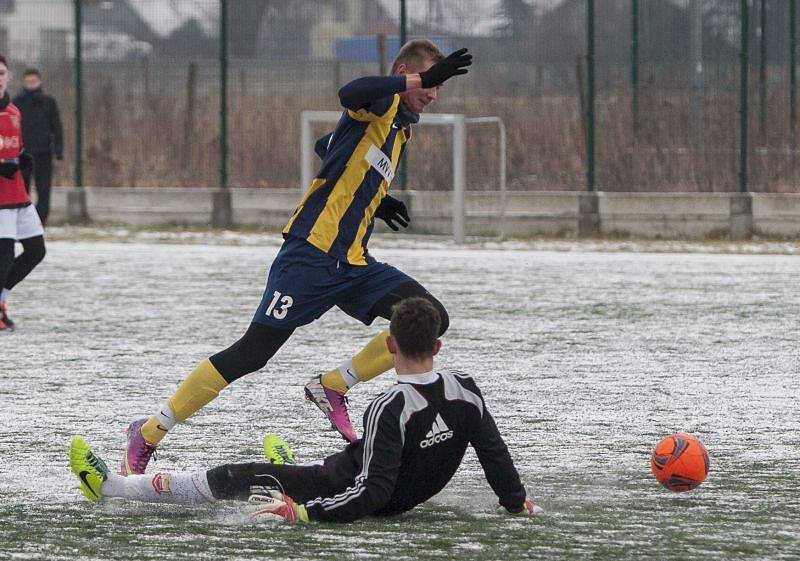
{"x":25,"y":161}
{"x":527,"y":509}
{"x":8,"y":168}
{"x":453,"y":65}
{"x":391,"y":210}
{"x":275,"y":507}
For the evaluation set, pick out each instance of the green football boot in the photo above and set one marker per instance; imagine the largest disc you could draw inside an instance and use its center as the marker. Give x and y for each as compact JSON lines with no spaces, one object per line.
{"x":89,"y":468}
{"x":276,"y":451}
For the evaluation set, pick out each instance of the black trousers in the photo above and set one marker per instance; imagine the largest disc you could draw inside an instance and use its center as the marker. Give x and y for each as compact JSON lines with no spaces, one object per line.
{"x":302,"y":483}
{"x":12,"y":270}
{"x":42,"y":173}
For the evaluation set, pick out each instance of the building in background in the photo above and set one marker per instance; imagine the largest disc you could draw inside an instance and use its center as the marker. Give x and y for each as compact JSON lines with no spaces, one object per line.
{"x":32,"y":31}
{"x":168,"y":28}
{"x":42,"y":31}
{"x":6,"y":7}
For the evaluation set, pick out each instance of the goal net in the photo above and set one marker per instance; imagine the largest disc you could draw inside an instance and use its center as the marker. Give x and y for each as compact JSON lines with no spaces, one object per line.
{"x":457,"y":124}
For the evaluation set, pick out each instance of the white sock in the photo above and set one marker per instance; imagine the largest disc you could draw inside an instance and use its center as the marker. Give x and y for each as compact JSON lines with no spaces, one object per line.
{"x":348,"y":372}
{"x":166,"y":417}
{"x":185,"y":488}
{"x":4,"y":295}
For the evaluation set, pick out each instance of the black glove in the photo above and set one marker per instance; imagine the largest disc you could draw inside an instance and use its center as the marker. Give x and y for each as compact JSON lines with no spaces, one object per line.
{"x":453,"y":65}
{"x":391,"y":209}
{"x":8,"y":169}
{"x":25,"y":161}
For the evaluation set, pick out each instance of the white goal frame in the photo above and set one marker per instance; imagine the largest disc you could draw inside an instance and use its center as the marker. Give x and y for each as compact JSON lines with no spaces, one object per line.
{"x":459,"y":124}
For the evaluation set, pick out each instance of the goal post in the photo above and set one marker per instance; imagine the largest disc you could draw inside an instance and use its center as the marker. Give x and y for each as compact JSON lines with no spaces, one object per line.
{"x":457,"y":122}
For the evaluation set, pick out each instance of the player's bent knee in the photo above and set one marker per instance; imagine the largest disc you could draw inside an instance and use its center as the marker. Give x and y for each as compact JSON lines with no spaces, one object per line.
{"x":250,"y":353}
{"x":33,"y":251}
{"x":36,"y":254}
{"x":237,"y":361}
{"x":383,"y":308}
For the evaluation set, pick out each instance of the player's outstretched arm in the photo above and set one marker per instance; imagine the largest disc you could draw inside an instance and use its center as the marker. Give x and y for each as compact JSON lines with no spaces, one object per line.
{"x":361,"y":92}
{"x":500,"y":471}
{"x":497,"y":465}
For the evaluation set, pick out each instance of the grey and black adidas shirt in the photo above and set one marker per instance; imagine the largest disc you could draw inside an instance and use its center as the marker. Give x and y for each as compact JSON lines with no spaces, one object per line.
{"x":415,"y":436}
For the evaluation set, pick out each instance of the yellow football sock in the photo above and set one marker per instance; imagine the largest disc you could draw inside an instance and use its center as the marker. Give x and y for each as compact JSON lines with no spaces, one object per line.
{"x":152,"y":430}
{"x":199,"y":388}
{"x":373,"y":360}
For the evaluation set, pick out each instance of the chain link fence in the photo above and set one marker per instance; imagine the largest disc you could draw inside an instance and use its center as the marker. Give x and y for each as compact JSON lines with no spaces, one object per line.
{"x":667,"y":85}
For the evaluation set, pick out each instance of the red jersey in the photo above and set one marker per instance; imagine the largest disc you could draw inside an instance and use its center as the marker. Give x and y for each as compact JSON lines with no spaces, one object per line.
{"x":12,"y":191}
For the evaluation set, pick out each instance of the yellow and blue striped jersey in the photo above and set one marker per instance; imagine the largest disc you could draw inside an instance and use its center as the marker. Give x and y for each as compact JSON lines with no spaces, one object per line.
{"x":336,"y":214}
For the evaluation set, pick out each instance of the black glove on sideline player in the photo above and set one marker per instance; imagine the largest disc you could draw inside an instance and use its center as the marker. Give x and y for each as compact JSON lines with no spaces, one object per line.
{"x":390,"y":210}
{"x":8,"y":169}
{"x":453,"y":65}
{"x":25,"y":161}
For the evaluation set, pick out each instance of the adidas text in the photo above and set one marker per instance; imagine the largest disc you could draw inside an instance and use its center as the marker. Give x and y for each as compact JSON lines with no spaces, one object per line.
{"x":441,"y":437}
{"x":439,"y":433}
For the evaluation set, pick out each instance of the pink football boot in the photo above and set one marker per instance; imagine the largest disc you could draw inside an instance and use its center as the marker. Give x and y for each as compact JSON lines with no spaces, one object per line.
{"x":137,"y":451}
{"x":334,"y":405}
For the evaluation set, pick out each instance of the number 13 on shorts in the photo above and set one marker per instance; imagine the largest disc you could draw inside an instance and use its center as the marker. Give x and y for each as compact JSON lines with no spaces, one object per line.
{"x":280,"y":305}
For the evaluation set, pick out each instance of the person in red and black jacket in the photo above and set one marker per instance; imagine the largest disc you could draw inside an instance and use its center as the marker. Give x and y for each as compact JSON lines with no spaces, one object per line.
{"x":19,"y":220}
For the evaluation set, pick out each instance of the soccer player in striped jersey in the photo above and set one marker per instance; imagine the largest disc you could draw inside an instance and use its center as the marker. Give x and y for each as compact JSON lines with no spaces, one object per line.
{"x":415,"y":436}
{"x":324,"y":260}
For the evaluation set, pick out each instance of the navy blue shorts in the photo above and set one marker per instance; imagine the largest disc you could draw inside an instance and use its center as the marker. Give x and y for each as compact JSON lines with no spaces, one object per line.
{"x":304,"y":283}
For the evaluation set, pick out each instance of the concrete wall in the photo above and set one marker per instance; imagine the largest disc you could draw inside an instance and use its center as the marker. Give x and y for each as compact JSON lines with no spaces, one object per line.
{"x":777,"y":215}
{"x":665,"y":215}
{"x":649,"y":215}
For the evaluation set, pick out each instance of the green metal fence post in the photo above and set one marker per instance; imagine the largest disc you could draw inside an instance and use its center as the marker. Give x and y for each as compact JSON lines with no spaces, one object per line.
{"x":635,"y":65}
{"x":743,"y":102}
{"x":403,"y":38}
{"x":762,"y":71}
{"x":589,"y":202}
{"x":223,"y":95}
{"x":697,"y":71}
{"x":78,"y":96}
{"x":741,"y":203}
{"x":793,"y":64}
{"x":403,"y":23}
{"x":76,"y":198}
{"x":222,"y":213}
{"x":590,"y":124}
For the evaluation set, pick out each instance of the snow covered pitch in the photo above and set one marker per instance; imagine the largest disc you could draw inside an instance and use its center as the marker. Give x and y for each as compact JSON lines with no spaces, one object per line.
{"x":587,"y":358}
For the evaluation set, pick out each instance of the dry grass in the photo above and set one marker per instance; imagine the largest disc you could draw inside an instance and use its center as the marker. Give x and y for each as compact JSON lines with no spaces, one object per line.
{"x":132,"y":143}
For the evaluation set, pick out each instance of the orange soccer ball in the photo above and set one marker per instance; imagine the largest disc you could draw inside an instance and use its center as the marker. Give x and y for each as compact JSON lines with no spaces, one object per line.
{"x":680,"y":462}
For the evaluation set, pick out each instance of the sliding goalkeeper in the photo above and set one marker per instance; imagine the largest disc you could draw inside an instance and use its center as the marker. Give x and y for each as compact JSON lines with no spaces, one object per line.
{"x":415,"y":436}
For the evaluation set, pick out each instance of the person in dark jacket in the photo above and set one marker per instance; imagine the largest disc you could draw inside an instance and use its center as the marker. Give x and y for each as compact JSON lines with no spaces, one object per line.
{"x":42,"y":135}
{"x":415,"y":437}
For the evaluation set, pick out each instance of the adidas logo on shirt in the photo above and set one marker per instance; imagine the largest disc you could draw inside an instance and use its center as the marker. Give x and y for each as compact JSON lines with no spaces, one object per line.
{"x":439,"y":433}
